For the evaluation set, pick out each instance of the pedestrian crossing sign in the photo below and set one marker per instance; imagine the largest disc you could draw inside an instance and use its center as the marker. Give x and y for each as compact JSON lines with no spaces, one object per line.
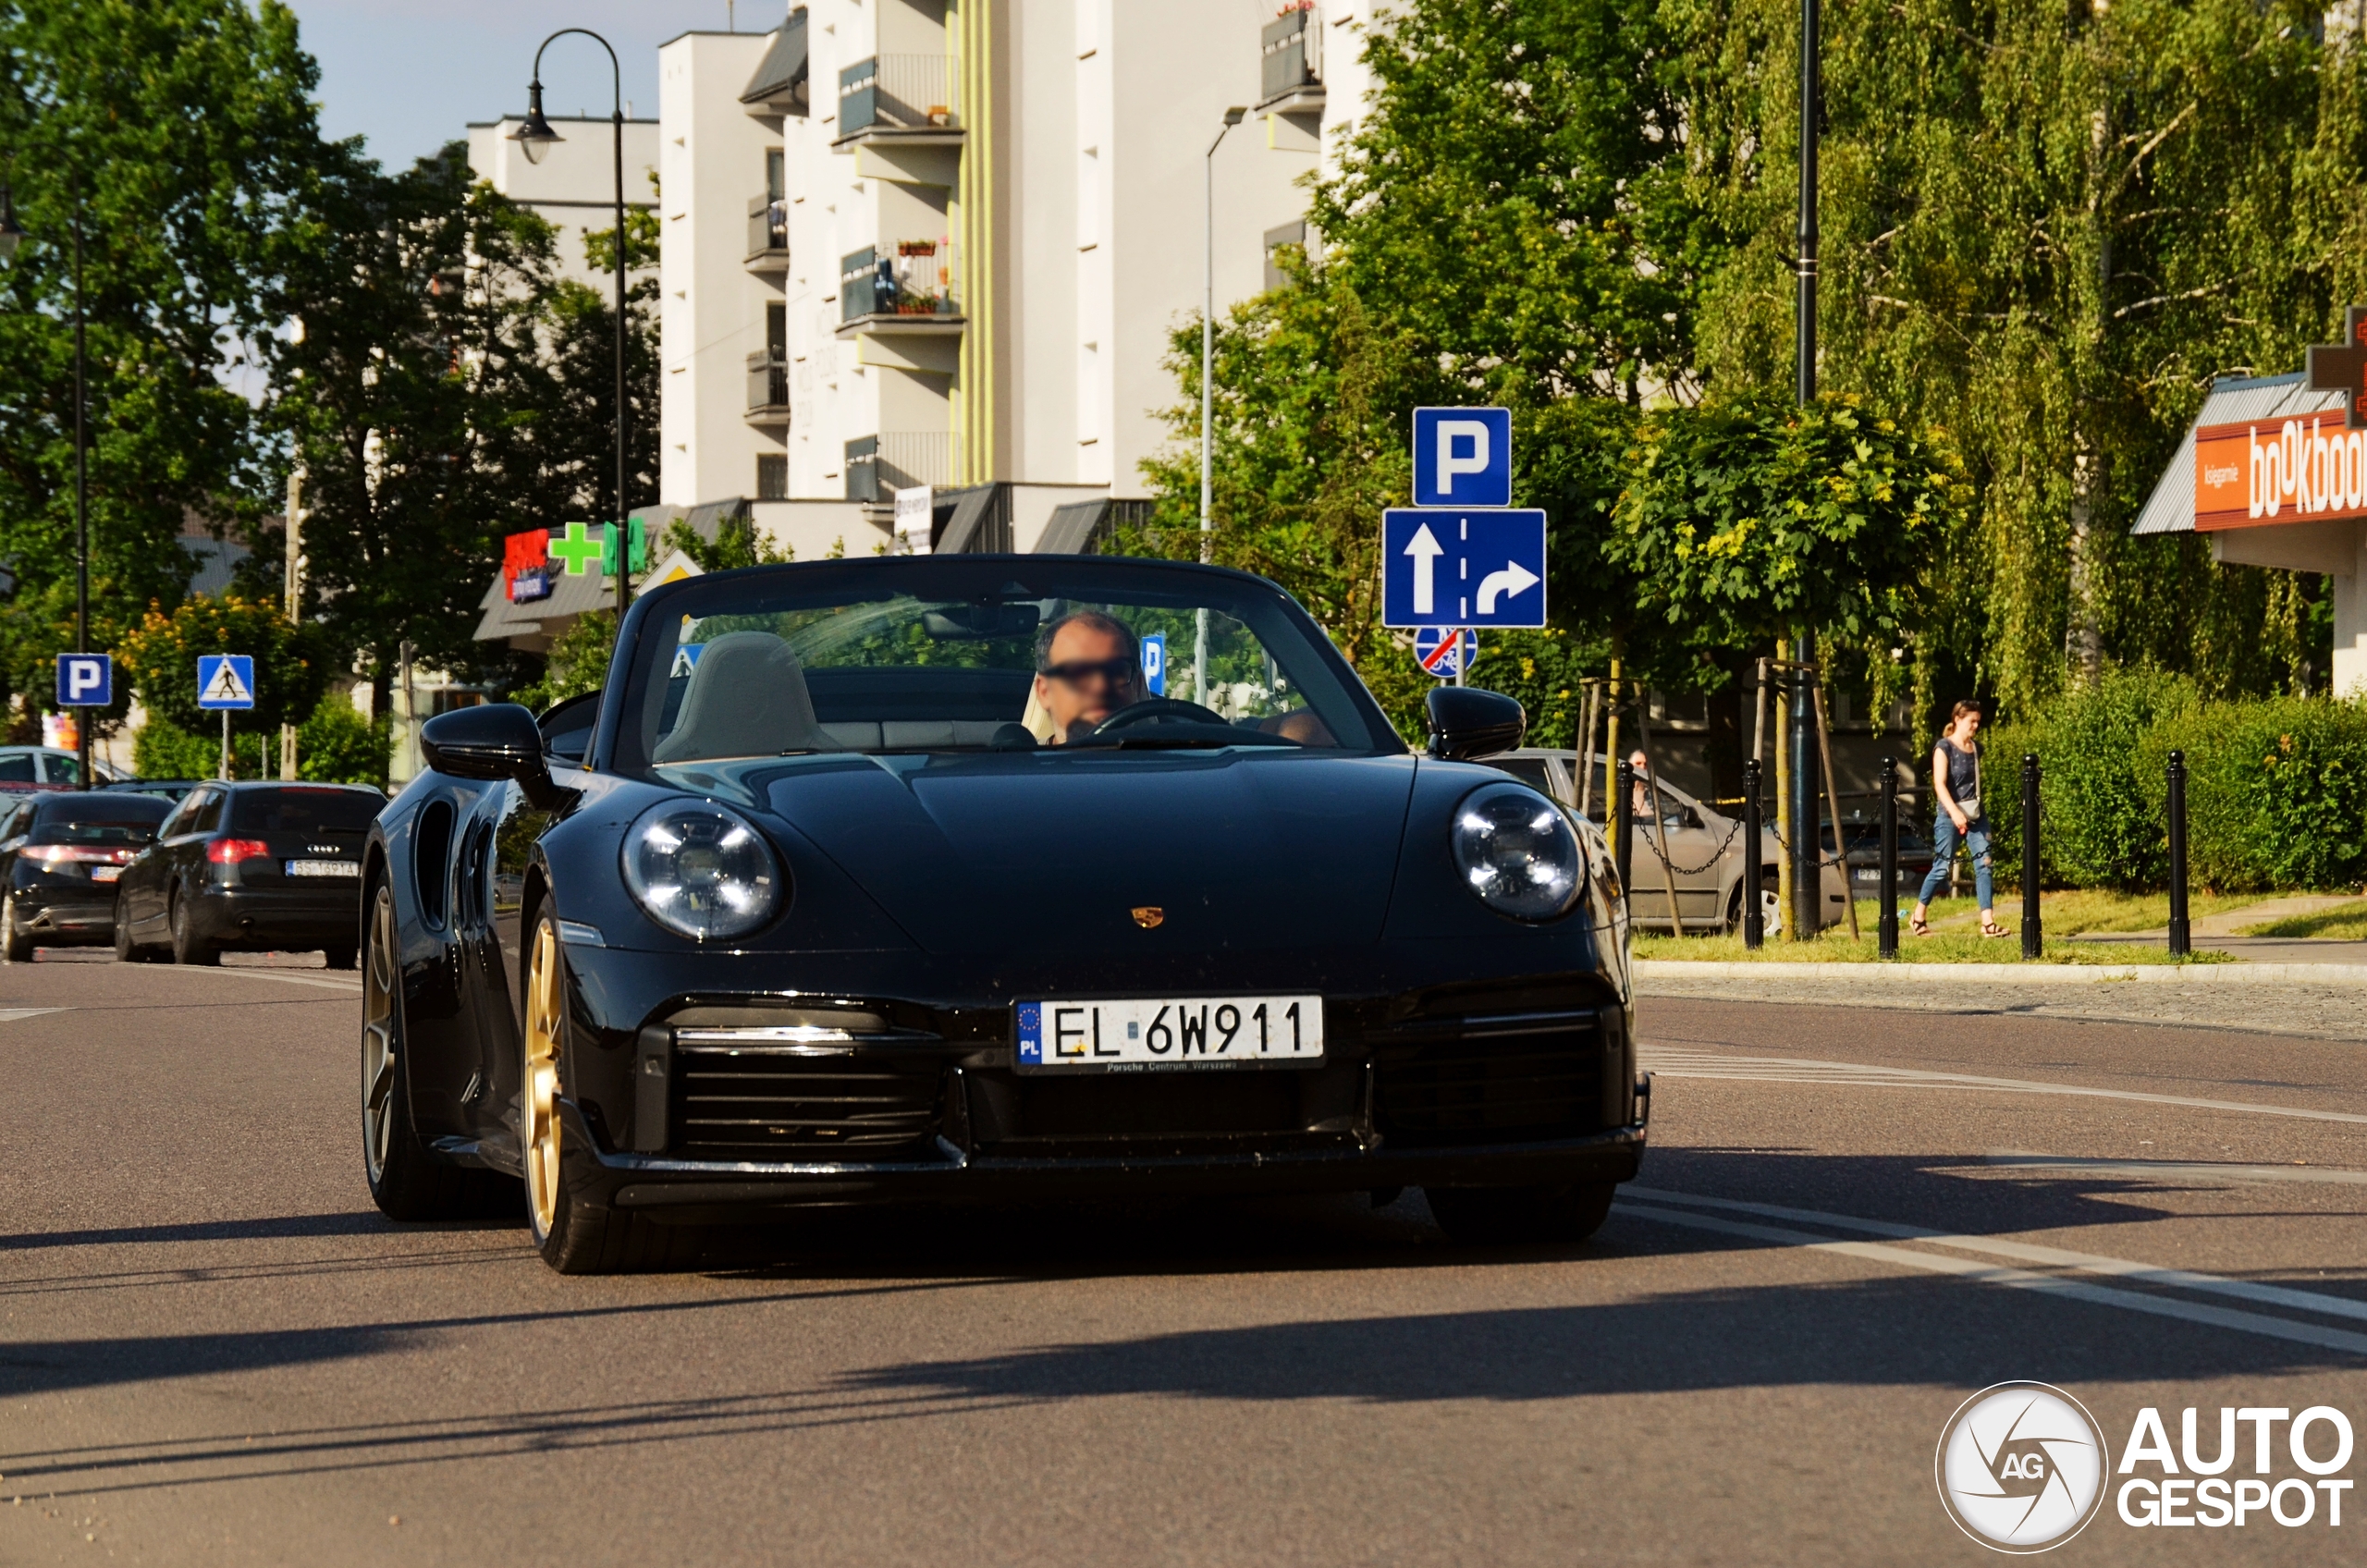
{"x":226,"y":681}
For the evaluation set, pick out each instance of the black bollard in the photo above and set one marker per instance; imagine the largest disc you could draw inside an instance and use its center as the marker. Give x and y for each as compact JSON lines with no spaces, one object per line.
{"x":2182,"y":934}
{"x":1754,"y":910}
{"x":2034,"y":935}
{"x":1886,"y":927}
{"x":1622,"y":811}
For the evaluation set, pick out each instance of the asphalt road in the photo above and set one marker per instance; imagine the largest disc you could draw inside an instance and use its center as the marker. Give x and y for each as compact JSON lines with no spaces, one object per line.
{"x":213,"y":1349}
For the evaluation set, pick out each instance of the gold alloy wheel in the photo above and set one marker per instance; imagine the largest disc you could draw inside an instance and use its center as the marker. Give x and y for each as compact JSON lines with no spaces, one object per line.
{"x":537,"y":1111}
{"x":380,"y":975}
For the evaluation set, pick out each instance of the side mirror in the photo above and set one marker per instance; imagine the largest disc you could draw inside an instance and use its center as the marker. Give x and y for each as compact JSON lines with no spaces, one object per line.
{"x":1467,"y":723}
{"x":490,"y":741}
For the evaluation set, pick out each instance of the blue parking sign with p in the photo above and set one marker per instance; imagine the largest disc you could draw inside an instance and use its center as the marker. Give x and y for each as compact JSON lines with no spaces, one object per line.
{"x":1462,"y":457}
{"x":85,"y":681}
{"x":1155,"y":665}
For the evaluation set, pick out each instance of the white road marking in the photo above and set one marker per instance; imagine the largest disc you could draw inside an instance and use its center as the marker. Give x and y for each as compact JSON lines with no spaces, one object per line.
{"x":2016,"y":1278}
{"x":2025,"y":1252}
{"x":10,"y":1014}
{"x":284,"y":976}
{"x":2182,"y":1170}
{"x":1677,"y":1062}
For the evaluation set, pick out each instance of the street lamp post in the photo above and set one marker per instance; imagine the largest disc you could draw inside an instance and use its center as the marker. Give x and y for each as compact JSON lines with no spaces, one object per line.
{"x":12,"y":236}
{"x":534,"y":137}
{"x":1807,"y":847}
{"x":1232,"y":117}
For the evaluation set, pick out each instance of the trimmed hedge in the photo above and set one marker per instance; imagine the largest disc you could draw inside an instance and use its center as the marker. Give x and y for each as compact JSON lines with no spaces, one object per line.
{"x":2276,"y":787}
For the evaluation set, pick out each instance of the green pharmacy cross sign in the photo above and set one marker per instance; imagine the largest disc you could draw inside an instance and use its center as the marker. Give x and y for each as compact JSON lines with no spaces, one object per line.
{"x":580,"y":548}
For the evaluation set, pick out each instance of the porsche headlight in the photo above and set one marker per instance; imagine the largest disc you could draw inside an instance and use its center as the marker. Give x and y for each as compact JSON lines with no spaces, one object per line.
{"x":1517,"y":852}
{"x":699,"y":869}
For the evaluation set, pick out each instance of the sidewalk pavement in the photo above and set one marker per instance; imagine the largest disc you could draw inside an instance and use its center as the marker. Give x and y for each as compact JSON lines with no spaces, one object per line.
{"x":2316,"y":1000}
{"x":2253,"y":950}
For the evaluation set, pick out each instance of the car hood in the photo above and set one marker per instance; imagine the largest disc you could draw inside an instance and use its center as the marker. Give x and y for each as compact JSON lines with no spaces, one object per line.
{"x":1034,"y":852}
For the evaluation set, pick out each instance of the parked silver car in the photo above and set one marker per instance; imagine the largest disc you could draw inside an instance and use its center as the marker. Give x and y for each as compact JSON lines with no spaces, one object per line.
{"x":1702,"y":844}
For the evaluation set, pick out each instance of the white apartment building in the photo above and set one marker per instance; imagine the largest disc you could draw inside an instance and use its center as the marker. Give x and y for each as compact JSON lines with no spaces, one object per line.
{"x":574,"y":188}
{"x":946,"y":242}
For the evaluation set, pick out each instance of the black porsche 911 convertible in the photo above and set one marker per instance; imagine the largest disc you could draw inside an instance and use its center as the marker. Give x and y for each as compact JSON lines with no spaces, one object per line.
{"x":975,"y":878}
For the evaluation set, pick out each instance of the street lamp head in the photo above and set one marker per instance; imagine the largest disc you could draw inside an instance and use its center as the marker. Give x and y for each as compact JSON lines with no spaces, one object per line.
{"x":1236,"y":114}
{"x":535,"y":137}
{"x":11,"y":235}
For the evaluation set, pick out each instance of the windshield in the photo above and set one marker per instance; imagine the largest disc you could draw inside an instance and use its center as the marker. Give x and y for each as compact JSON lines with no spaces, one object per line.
{"x":979,"y":653}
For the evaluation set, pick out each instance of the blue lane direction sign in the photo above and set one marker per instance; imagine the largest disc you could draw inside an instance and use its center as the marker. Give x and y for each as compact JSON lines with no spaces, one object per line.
{"x":1477,"y":569}
{"x":1462,"y":457}
{"x":85,"y":681}
{"x":226,"y":681}
{"x":1446,"y":651}
{"x":1155,"y":664}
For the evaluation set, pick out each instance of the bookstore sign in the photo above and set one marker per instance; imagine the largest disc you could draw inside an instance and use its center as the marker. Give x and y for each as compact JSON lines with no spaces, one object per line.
{"x":2303,"y":469}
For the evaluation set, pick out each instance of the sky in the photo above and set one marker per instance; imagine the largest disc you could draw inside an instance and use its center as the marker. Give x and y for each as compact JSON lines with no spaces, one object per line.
{"x":409,"y":75}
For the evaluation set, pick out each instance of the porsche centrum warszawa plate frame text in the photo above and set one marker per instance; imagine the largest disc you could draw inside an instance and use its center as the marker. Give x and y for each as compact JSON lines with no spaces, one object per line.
{"x":1196,"y":1033}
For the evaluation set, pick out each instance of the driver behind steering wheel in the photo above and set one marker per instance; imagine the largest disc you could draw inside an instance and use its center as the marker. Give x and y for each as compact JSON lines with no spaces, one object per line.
{"x":1088,"y":665}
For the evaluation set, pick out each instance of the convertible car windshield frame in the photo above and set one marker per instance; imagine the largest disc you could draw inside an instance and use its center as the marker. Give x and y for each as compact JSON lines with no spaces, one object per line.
{"x":632,"y":736}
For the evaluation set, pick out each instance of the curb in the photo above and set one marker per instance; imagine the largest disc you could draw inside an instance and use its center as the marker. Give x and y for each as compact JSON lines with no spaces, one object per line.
{"x":2013,"y":974}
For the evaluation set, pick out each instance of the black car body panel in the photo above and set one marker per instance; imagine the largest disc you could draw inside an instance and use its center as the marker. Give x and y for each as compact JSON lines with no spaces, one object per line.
{"x":930,"y":894}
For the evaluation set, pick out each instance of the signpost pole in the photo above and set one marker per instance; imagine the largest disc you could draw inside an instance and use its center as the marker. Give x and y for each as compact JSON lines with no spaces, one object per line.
{"x":293,"y":585}
{"x":226,"y":742}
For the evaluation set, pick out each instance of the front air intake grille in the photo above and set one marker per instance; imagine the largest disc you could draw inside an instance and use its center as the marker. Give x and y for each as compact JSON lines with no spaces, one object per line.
{"x":1491,"y":1081}
{"x":744,"y":1103}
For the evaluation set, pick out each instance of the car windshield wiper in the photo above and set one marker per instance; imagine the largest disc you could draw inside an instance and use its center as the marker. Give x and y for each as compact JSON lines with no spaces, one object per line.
{"x":1151,"y":741}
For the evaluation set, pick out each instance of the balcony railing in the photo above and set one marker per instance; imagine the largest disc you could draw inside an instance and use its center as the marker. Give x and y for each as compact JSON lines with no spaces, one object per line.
{"x":908,"y":278}
{"x":767,"y":228}
{"x":916,"y":457}
{"x":1291,"y":45}
{"x":900,"y":92}
{"x":769,"y":383}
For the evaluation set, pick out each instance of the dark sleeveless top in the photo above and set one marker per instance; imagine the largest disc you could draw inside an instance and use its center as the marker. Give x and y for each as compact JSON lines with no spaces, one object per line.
{"x":1964,"y":770}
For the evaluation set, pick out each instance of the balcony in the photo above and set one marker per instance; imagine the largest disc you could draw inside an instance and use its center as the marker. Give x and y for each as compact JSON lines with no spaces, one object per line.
{"x":767,"y":235}
{"x":878,"y":466}
{"x":768,"y":387}
{"x":1291,"y":72}
{"x":912,"y":99}
{"x":906,"y":289}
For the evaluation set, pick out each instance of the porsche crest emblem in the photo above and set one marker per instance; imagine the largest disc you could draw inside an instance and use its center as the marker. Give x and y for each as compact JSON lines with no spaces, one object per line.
{"x":1148,"y":915}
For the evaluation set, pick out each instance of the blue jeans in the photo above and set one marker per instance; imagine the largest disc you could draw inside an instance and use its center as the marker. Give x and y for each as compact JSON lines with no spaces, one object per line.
{"x":1945,"y":838}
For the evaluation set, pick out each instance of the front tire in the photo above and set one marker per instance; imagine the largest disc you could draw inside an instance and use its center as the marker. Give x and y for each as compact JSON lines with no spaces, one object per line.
{"x":406,"y":1181}
{"x":1492,"y":1217}
{"x":16,"y":947}
{"x":187,"y":947}
{"x":574,"y":1237}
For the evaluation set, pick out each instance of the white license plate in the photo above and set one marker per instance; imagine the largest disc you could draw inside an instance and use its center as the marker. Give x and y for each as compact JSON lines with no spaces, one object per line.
{"x":106,"y":873}
{"x":1195,"y":1031}
{"x":323,"y":868}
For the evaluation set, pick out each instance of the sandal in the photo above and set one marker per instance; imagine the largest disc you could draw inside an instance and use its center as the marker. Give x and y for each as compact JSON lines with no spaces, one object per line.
{"x":1919,"y":927}
{"x":1991,"y":928}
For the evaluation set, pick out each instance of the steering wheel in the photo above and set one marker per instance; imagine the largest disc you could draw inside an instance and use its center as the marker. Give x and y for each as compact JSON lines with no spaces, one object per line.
{"x":1154,"y":710}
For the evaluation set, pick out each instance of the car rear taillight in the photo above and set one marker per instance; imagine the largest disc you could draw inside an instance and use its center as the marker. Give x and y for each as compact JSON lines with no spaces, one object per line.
{"x":225,"y":851}
{"x":54,"y":855}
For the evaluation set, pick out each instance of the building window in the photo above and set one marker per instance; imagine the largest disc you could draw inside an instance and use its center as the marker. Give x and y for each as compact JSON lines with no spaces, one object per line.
{"x":775,"y":182}
{"x":772,"y":478}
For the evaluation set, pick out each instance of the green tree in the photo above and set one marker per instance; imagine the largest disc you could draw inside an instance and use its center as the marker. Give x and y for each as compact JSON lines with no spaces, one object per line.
{"x":412,"y":395}
{"x":160,"y":657}
{"x":2046,"y":231}
{"x":180,"y":136}
{"x":1751,"y":517}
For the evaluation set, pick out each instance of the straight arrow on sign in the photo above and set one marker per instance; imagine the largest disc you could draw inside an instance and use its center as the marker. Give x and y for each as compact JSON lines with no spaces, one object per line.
{"x":1426,"y":550}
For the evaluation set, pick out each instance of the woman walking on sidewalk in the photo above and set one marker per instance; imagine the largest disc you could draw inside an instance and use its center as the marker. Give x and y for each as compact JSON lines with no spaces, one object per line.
{"x":1955,"y":785}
